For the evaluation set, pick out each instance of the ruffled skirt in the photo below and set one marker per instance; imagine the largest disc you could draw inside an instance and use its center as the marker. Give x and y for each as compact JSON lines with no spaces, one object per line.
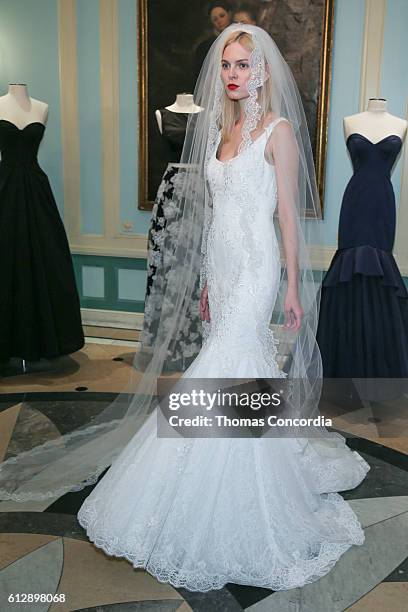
{"x":363,"y":323}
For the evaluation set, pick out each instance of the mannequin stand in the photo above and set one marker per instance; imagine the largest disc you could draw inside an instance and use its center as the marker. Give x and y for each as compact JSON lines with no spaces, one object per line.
{"x":16,"y":366}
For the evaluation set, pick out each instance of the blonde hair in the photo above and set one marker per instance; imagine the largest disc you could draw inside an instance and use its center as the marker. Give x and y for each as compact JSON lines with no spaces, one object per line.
{"x":230,"y":110}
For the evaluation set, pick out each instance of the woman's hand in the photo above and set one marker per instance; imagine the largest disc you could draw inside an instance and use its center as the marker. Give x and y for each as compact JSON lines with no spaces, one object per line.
{"x":204,"y":307}
{"x":293,"y":310}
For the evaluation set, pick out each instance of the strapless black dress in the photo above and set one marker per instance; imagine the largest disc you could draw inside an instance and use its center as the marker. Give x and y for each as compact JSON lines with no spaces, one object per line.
{"x":363,"y":322}
{"x":39,"y":304}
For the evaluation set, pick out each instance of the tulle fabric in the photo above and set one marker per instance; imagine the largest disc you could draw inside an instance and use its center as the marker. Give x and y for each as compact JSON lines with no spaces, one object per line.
{"x":75,"y":459}
{"x":262,"y":512}
{"x":201,"y":513}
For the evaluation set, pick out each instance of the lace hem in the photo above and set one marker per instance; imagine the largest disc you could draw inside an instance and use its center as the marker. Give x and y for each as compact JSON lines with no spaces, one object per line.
{"x":344,"y":471}
{"x":303,"y":572}
{"x":7,"y":496}
{"x":52,"y":445}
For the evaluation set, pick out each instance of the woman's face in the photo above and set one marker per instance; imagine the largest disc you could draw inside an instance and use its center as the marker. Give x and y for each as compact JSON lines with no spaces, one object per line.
{"x":235,"y":71}
{"x":243,"y":17}
{"x":220,"y":18}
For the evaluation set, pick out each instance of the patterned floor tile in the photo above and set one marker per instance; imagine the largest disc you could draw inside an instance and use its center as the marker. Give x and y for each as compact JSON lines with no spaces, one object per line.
{"x":386,"y":597}
{"x":92,"y":578}
{"x":8,"y":419}
{"x":36,"y":572}
{"x":356,"y":573}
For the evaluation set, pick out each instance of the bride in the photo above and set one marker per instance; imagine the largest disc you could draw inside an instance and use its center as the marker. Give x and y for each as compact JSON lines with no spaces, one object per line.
{"x":199,"y":512}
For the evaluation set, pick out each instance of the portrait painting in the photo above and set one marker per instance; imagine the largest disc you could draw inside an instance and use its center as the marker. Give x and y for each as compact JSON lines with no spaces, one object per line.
{"x":174,"y":37}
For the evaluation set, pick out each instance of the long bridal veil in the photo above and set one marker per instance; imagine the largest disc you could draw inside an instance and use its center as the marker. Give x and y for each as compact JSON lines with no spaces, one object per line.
{"x":70,"y":461}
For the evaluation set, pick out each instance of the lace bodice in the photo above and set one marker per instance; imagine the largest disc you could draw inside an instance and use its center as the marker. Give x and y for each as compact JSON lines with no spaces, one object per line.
{"x":242,"y":263}
{"x":247,"y":175}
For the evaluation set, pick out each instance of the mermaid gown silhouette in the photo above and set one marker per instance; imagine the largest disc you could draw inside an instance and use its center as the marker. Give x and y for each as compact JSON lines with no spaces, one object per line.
{"x":363,"y":322}
{"x":39,"y":304}
{"x":201,"y":512}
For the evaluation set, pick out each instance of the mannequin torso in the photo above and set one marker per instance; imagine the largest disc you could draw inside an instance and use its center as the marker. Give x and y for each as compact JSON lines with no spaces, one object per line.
{"x":19,"y":108}
{"x":184,"y":104}
{"x":363,"y":318}
{"x":376,"y":123}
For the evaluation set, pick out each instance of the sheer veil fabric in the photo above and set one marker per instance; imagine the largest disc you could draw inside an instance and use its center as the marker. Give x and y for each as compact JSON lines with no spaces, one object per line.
{"x":73,"y":460}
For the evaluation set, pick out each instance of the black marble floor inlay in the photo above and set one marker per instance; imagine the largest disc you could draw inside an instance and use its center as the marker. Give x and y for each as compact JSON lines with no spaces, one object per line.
{"x":400,"y":574}
{"x":70,"y":503}
{"x":41,"y":396}
{"x":374,"y":449}
{"x":66,"y":411}
{"x":247,"y":595}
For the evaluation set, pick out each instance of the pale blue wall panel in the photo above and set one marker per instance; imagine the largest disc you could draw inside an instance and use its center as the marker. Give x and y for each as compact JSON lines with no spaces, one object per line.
{"x":131,"y":284}
{"x":29,"y":54}
{"x":89,"y":108}
{"x":93,"y":281}
{"x":394,"y":82}
{"x":344,"y":100}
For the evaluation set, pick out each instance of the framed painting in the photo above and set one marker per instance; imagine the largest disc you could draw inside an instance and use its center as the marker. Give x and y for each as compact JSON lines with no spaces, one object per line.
{"x":173,"y":37}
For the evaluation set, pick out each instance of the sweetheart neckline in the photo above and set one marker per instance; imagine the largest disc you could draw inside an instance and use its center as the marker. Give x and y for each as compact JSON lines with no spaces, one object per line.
{"x":370,"y":141}
{"x":22,"y":129}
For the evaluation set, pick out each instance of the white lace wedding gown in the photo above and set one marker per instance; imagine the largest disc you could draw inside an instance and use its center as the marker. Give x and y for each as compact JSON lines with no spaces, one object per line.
{"x":199,"y":513}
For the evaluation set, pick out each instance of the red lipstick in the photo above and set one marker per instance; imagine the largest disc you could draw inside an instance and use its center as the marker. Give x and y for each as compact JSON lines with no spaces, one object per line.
{"x":232,"y":86}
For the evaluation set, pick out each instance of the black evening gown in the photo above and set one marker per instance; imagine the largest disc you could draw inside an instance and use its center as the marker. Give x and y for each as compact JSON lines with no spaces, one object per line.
{"x":173,"y":133}
{"x":363,"y":322}
{"x":39,"y":305}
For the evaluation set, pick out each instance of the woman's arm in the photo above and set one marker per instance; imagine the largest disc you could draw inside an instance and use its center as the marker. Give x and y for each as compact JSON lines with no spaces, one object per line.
{"x":282,"y":151}
{"x":204,"y":307}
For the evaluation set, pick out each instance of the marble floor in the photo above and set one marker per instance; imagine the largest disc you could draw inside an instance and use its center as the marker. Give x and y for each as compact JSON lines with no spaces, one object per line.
{"x":43,"y":549}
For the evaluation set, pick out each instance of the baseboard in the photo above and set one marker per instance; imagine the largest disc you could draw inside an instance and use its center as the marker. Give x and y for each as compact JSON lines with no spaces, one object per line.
{"x":112,"y":318}
{"x":129,"y":320}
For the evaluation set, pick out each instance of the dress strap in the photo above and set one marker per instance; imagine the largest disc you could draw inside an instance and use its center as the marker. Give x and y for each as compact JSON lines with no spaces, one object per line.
{"x":270,"y":127}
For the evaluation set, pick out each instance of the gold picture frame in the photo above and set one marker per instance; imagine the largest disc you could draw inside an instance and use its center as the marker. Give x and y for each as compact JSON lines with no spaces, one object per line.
{"x":146,"y":12}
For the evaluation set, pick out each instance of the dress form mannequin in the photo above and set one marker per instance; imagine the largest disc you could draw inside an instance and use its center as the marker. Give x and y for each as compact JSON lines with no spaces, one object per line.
{"x":172,"y":122}
{"x":40,"y":296}
{"x":375,"y":123}
{"x":363,"y":319}
{"x":184,"y":104}
{"x":19,"y":108}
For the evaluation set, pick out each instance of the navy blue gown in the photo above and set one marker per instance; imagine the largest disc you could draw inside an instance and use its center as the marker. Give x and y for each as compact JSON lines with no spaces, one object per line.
{"x":363,"y":322}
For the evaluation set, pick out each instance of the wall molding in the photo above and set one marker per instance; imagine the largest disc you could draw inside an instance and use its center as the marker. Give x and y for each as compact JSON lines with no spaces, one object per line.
{"x":67,"y":40}
{"x":373,"y":47}
{"x":109,"y":92}
{"x":370,"y":87}
{"x":320,"y":256}
{"x":112,"y":242}
{"x":112,"y":318}
{"x":117,"y":246}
